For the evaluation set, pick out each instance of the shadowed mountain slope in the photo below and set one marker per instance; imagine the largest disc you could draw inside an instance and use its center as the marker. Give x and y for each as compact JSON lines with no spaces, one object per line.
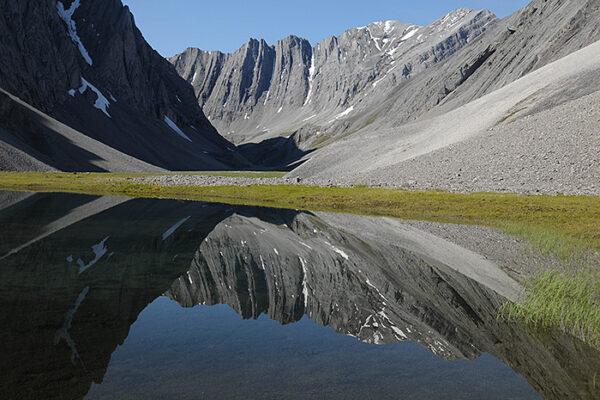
{"x":85,"y":64}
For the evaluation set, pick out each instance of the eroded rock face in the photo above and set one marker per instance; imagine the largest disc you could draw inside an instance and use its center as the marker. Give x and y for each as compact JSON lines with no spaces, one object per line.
{"x":86,"y":64}
{"x":264,"y":91}
{"x":540,"y":33}
{"x":384,"y":76}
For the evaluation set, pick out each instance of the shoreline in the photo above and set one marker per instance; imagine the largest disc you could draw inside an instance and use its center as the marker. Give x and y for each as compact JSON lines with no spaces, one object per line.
{"x":562,"y":223}
{"x":562,"y":231}
{"x":175,"y":179}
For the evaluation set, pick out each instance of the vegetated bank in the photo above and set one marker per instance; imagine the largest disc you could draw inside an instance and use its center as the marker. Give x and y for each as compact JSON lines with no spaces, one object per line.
{"x":565,"y":226}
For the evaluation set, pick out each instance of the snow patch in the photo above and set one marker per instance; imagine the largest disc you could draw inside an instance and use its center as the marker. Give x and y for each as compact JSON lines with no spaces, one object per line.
{"x":175,"y":128}
{"x":377,"y":81}
{"x":172,"y":229}
{"x":101,"y":103}
{"x":374,"y":38}
{"x":341,"y":253}
{"x":347,"y":112}
{"x":399,"y":332}
{"x":412,"y":30}
{"x":366,"y":324}
{"x":376,"y":289}
{"x":311,"y":77}
{"x":305,"y":245}
{"x":304,"y":283}
{"x":388,"y":28}
{"x":67,"y":17}
{"x":262,"y":262}
{"x":342,"y":114}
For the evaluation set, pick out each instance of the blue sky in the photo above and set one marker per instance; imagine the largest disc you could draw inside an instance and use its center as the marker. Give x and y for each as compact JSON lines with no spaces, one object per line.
{"x":172,"y":26}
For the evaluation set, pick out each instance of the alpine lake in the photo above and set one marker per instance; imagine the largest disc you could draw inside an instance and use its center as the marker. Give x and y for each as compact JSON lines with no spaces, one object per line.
{"x":118,"y":298}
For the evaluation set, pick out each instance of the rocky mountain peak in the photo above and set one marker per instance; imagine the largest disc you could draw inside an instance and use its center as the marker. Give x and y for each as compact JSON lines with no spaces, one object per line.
{"x":297,"y":88}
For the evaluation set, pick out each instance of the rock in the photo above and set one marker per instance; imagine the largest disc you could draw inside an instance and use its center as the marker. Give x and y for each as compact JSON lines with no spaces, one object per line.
{"x":265,"y":91}
{"x":91,"y":69}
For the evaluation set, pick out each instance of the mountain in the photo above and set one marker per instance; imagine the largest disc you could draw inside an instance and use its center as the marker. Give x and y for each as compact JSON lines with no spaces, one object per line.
{"x":83,"y":90}
{"x":261,"y":91}
{"x":389,"y":104}
{"x":359,"y":105}
{"x":534,"y":69}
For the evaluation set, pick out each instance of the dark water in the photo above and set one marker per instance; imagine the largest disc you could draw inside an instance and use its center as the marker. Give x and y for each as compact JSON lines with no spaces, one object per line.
{"x":105,"y":298}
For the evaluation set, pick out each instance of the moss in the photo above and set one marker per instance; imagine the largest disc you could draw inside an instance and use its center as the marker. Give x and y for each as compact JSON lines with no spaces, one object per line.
{"x":545,"y":220}
{"x":319,"y":141}
{"x":509,"y":115}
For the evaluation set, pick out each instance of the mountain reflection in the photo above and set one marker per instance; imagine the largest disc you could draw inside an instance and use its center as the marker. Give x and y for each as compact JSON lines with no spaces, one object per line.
{"x":76,"y":271}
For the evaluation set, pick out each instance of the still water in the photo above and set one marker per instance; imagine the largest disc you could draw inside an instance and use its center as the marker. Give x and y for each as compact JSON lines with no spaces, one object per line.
{"x":113,"y":298}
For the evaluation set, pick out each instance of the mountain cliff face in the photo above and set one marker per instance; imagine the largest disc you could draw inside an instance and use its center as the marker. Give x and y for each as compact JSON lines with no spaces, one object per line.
{"x":380,"y":78}
{"x":539,"y":34}
{"x":263,"y":91}
{"x":533,"y":61}
{"x":85,"y":64}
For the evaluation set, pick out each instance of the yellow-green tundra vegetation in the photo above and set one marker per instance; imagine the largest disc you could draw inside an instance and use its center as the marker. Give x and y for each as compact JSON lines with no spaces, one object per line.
{"x":564,"y":226}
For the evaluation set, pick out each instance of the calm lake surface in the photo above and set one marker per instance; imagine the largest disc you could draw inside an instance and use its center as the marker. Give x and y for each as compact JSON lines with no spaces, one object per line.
{"x":113,"y":298}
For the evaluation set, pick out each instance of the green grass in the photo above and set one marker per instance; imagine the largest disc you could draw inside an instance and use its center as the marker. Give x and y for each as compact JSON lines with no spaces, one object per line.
{"x":564,"y":226}
{"x":549,"y":221}
{"x":570,"y":302}
{"x":509,"y":115}
{"x":556,"y":243}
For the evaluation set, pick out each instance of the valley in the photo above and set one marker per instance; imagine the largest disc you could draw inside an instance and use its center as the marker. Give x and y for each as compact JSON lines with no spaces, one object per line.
{"x":396,"y":184}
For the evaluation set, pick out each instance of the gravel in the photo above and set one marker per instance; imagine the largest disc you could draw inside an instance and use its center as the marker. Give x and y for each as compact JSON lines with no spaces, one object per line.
{"x":515,"y":256}
{"x":555,"y":151}
{"x":551,"y":152}
{"x":479,"y":146}
{"x":202,"y":180}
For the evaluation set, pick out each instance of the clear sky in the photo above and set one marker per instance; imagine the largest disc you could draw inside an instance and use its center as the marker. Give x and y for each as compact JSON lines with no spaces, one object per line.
{"x":172,"y":26}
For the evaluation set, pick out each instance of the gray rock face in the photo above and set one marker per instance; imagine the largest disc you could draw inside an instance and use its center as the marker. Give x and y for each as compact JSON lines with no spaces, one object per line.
{"x":540,"y":33}
{"x":38,"y":142}
{"x":86,"y":64}
{"x":262,"y":91}
{"x":496,"y":82}
{"x":373,"y":82}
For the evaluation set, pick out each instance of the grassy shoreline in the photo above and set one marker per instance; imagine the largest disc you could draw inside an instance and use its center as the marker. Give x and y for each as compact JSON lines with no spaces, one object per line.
{"x":560,"y":225}
{"x":569,"y":301}
{"x":554,"y":223}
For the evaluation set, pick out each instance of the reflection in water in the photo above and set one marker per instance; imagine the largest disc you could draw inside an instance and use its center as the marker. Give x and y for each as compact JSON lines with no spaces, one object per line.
{"x":76,"y":272}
